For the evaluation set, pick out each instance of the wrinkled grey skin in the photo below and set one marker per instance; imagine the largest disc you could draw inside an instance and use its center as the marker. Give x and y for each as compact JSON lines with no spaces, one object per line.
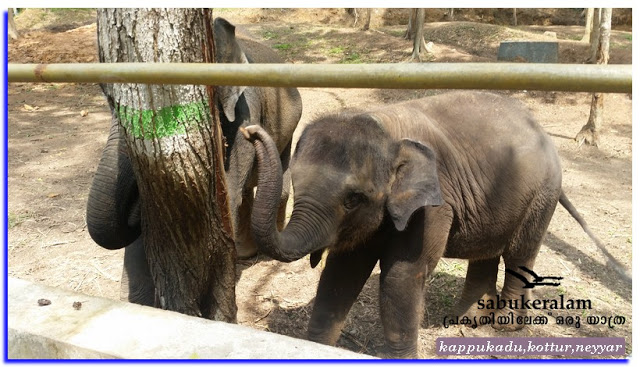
{"x":465,"y":175}
{"x":113,"y":208}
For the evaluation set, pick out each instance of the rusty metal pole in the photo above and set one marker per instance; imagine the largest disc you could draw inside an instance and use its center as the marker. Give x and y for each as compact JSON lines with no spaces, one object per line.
{"x":515,"y":76}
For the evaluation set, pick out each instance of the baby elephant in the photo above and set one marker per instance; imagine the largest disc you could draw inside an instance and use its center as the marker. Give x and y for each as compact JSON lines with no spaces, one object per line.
{"x":465,"y":175}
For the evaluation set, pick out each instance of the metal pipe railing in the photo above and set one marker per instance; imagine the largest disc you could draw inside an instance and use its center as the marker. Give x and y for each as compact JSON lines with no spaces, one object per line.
{"x":517,"y":76}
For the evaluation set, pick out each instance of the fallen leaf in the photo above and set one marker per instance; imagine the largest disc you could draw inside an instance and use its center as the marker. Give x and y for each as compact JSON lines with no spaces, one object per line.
{"x":29,"y":108}
{"x":53,"y":195}
{"x":84,"y":113}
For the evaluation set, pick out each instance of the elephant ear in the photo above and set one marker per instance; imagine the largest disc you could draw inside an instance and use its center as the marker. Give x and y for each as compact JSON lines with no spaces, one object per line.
{"x":228,"y":51}
{"x":315,"y":258}
{"x":415,"y":183}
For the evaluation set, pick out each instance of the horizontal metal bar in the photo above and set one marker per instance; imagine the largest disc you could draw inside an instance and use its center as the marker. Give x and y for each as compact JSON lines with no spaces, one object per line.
{"x":517,"y":76}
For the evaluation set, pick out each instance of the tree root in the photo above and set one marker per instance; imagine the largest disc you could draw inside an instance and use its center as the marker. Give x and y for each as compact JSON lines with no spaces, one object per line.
{"x":588,"y":136}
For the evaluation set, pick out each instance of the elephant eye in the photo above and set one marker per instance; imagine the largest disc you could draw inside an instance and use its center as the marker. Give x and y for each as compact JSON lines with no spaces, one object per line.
{"x":353,"y":200}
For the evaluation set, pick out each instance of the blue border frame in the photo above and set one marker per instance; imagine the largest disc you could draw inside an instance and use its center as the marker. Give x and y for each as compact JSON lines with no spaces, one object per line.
{"x":5,"y":228}
{"x":5,"y":172}
{"x":324,"y":361}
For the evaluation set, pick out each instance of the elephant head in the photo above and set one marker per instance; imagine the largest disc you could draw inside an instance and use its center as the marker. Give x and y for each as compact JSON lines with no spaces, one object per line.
{"x":350,"y":179}
{"x":228,"y":51}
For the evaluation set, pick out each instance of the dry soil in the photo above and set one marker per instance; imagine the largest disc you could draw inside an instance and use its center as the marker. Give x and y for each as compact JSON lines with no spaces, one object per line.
{"x":57,"y":131}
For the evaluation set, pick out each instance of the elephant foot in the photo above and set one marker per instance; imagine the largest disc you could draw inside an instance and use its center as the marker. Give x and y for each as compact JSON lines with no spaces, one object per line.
{"x":404,"y":353}
{"x":328,"y":333}
{"x":510,"y":311}
{"x":507,"y":319}
{"x":474,"y":309}
{"x":246,"y":249}
{"x":473,"y":305}
{"x":399,"y":345}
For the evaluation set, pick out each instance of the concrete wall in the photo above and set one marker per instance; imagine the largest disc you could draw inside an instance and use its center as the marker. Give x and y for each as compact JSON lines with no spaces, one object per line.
{"x":103,"y":328}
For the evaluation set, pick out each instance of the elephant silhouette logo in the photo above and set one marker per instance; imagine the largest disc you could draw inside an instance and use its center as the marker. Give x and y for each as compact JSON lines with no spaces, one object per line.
{"x":537,"y":280}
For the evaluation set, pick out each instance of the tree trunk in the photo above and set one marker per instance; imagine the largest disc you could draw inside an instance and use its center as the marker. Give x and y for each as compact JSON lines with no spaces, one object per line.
{"x":357,"y":12}
{"x":12,"y":30}
{"x":588,"y":25}
{"x":174,"y":141}
{"x":595,"y":36}
{"x":418,"y":39}
{"x":410,"y":33}
{"x":451,"y":14}
{"x":515,"y":17}
{"x":367,"y":19}
{"x":589,"y":133}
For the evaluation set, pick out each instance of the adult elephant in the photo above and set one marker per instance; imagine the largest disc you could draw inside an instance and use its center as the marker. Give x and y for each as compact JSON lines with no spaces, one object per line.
{"x":465,"y":175}
{"x":113,"y":208}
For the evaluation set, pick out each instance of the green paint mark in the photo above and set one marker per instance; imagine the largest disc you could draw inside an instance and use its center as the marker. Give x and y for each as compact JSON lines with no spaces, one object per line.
{"x":167,"y":121}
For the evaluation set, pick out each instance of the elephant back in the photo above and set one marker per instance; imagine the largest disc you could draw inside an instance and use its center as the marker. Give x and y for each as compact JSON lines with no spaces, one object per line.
{"x":258,"y":53}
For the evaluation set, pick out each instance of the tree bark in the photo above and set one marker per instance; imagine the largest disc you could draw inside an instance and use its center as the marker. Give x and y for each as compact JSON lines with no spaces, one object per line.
{"x":410,"y":32}
{"x":356,"y":12}
{"x":367,"y":20}
{"x":174,"y":141}
{"x":12,"y":30}
{"x":594,"y":37}
{"x":418,"y":39}
{"x":589,"y":134}
{"x":588,"y":25}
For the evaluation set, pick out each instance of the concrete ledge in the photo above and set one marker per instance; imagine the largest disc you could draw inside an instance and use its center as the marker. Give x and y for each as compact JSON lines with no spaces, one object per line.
{"x":528,"y":51}
{"x":103,"y":328}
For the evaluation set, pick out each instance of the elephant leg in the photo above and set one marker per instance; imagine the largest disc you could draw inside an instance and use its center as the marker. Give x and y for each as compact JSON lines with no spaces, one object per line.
{"x":480,"y":283}
{"x":245,"y":246}
{"x":405,"y":264}
{"x":513,"y":290}
{"x":401,"y":306}
{"x":137,"y":284}
{"x":522,"y":251}
{"x":341,"y":281}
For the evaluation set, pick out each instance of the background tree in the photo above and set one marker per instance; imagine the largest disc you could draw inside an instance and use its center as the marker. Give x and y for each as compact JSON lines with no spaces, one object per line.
{"x":451,"y":15}
{"x":173,"y":139}
{"x":418,"y":36}
{"x":588,"y":25}
{"x":12,"y":30}
{"x":515,"y":17}
{"x":589,"y":133}
{"x":411,"y":25}
{"x":594,"y":36}
{"x":367,"y":19}
{"x":362,"y":15}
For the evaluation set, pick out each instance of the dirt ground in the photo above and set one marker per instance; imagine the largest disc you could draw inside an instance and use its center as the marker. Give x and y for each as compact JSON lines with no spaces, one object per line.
{"x":57,"y":131}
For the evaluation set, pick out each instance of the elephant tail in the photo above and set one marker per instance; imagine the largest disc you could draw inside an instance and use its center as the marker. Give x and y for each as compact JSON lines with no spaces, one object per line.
{"x":611,"y":261}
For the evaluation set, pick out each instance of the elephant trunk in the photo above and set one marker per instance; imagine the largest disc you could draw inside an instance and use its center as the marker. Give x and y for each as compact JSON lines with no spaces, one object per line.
{"x":113,"y":206}
{"x":306,"y":232}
